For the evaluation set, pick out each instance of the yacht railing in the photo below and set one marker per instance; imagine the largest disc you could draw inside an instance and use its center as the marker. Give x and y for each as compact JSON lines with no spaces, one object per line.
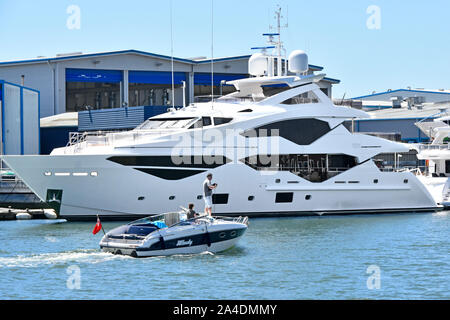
{"x":81,"y":140}
{"x":9,"y":182}
{"x":424,"y":146}
{"x":243,"y":220}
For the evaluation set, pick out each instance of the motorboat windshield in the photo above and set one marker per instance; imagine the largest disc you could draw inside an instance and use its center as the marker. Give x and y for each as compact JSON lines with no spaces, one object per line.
{"x":164,"y":220}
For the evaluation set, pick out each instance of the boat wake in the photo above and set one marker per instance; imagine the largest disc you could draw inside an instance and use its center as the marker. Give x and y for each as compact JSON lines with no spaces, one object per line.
{"x":90,"y":256}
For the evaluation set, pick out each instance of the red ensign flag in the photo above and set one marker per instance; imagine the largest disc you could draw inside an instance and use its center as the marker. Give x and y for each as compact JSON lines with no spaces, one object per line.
{"x":98,"y":226}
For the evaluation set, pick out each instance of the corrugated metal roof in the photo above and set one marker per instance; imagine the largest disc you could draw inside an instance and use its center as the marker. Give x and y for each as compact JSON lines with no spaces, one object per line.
{"x":132,"y":51}
{"x":428,"y":110}
{"x":403,"y":90}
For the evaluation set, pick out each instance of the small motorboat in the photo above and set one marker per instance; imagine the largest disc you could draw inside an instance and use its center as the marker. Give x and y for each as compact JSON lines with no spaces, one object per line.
{"x":172,"y":233}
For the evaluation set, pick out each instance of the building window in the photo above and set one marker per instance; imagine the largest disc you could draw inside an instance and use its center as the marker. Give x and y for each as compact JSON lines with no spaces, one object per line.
{"x":92,"y":95}
{"x":144,"y":94}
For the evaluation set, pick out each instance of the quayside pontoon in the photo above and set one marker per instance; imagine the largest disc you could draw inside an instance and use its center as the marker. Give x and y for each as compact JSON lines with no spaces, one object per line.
{"x":171,"y":233}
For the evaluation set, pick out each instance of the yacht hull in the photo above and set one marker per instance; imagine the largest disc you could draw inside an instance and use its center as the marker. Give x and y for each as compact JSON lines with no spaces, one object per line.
{"x":80,"y":187}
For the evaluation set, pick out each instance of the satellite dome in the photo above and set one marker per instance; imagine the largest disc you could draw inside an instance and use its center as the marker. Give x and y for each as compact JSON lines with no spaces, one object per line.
{"x":298,"y":61}
{"x":257,"y":65}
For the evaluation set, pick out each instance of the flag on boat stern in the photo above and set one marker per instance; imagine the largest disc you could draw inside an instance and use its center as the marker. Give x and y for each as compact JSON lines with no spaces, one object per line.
{"x":98,"y":226}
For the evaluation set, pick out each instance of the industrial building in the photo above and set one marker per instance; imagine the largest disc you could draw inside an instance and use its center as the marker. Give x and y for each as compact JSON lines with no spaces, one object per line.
{"x":77,"y":82}
{"x":395,"y":112}
{"x":397,"y":98}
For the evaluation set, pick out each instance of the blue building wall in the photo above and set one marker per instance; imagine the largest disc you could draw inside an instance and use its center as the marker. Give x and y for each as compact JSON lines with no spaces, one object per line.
{"x":405,"y":126}
{"x":55,"y":137}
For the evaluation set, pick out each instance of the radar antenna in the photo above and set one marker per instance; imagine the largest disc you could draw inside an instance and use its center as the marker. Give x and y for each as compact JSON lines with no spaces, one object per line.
{"x":274,"y":42}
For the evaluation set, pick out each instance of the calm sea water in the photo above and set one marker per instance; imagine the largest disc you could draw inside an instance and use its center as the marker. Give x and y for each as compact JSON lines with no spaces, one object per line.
{"x":284,"y":258}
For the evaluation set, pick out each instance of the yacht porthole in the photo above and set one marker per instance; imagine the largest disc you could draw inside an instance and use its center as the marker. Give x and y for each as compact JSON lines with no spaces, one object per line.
{"x":277,"y":181}
{"x":308,"y":197}
{"x":141,"y":198}
{"x":233,"y":233}
{"x":251,"y":198}
{"x":171,"y":197}
{"x":375,"y":181}
{"x":405,"y":181}
{"x":222,"y":235}
{"x":199,"y":197}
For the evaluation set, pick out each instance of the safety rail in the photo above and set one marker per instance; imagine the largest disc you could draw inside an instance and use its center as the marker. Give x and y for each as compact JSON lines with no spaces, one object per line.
{"x":9,"y":182}
{"x":240,"y":219}
{"x":424,"y":146}
{"x":81,"y":140}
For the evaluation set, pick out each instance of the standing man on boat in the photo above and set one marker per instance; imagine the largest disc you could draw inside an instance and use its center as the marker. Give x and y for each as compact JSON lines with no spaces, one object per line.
{"x":208,"y":188}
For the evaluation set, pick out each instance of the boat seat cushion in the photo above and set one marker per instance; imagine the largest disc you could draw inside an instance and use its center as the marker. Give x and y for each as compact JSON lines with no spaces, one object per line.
{"x":141,"y":230}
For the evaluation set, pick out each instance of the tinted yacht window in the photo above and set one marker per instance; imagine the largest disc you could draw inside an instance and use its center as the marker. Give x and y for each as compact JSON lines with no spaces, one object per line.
{"x":219,"y":121}
{"x":306,"y":97}
{"x":203,"y":122}
{"x":299,"y":131}
{"x":312,"y":167}
{"x":206,"y":121}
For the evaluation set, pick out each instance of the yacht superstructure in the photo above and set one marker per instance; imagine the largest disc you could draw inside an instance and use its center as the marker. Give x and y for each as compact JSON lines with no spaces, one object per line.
{"x":437,"y":157}
{"x":277,"y":146}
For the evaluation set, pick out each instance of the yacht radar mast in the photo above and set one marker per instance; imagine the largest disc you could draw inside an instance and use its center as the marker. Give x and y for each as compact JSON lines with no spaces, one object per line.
{"x":274,"y":42}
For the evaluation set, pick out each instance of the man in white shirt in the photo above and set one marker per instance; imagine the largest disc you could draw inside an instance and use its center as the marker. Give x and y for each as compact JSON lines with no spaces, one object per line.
{"x":208,"y":187}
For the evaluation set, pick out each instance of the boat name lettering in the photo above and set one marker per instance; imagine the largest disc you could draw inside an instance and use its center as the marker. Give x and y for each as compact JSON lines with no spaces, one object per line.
{"x":184,"y":243}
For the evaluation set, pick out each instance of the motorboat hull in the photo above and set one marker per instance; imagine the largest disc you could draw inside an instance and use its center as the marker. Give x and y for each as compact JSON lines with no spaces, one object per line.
{"x":192,"y":238}
{"x":213,"y":248}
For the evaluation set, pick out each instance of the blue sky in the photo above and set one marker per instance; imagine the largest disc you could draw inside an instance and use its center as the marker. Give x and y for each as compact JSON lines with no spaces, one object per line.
{"x":411,"y":48}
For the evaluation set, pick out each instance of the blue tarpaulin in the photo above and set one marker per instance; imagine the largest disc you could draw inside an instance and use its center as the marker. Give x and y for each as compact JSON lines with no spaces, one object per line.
{"x":90,"y":75}
{"x":156,"y":77}
{"x":205,"y":78}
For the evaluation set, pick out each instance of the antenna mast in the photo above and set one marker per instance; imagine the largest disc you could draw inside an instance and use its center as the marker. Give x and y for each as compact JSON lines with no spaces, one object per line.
{"x":171,"y":54}
{"x":278,"y":44}
{"x":212,"y":54}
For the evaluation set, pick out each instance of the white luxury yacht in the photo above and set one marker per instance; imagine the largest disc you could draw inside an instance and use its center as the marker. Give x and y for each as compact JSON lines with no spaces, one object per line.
{"x":437,"y":157}
{"x":277,"y":146}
